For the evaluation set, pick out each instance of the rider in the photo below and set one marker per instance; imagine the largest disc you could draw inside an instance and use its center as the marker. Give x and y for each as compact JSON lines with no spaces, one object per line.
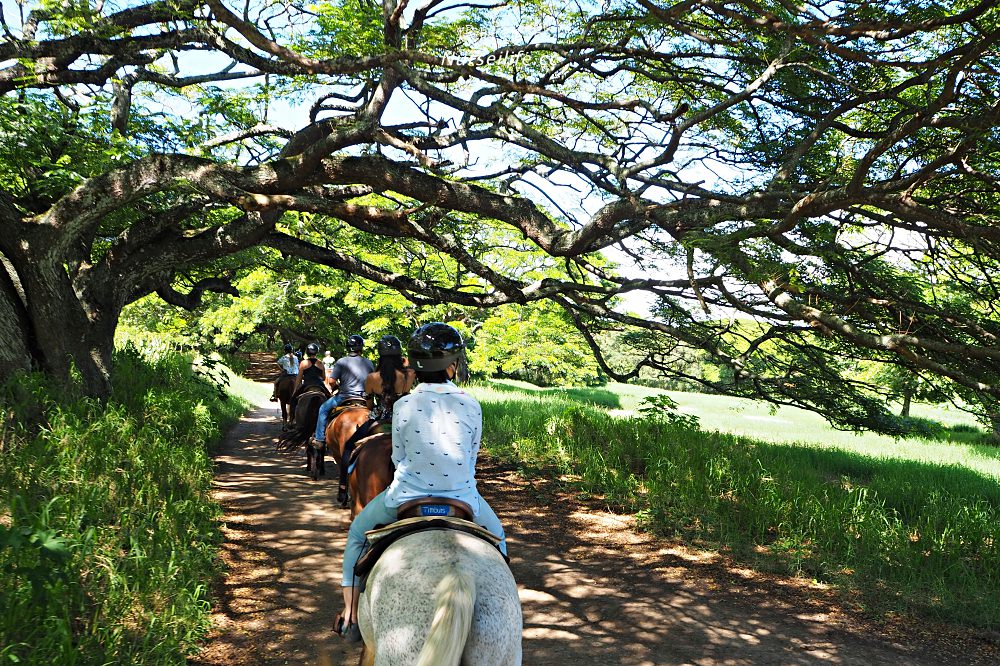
{"x":391,"y":380}
{"x":436,"y":434}
{"x":328,"y":362}
{"x":348,"y":377}
{"x":311,"y":373}
{"x":289,"y":364}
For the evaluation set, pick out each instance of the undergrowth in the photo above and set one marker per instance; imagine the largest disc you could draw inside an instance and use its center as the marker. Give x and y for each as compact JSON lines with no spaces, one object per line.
{"x":108,"y":536}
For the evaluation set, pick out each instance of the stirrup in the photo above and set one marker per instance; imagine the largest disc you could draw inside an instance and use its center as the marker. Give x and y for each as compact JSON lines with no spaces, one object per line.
{"x":272,"y":399}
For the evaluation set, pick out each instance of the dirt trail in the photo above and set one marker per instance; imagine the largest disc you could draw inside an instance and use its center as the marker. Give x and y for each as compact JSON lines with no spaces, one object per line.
{"x":593,"y":590}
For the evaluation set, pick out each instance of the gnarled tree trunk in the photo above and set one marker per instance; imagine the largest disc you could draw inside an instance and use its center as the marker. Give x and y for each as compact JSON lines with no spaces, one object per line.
{"x":48,"y":323}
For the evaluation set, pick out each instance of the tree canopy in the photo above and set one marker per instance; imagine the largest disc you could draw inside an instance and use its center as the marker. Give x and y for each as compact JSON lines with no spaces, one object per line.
{"x":825,"y":169}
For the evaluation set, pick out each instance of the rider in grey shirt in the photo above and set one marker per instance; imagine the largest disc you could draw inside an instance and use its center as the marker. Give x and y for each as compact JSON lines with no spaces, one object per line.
{"x":350,"y":373}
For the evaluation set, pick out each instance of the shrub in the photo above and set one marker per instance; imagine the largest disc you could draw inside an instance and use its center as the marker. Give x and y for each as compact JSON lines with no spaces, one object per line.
{"x":108,"y":535}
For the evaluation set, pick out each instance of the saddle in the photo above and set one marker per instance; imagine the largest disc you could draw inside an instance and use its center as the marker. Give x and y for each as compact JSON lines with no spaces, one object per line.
{"x":350,"y":403}
{"x":433,"y":513}
{"x":308,"y":389}
{"x":435,"y":507}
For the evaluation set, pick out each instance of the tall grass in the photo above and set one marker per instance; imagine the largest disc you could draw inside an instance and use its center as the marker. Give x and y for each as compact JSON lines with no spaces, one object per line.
{"x":902,"y":535}
{"x":107,"y":532}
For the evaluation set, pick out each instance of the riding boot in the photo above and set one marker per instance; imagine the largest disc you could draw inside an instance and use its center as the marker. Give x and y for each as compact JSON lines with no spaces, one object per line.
{"x":345,"y":462}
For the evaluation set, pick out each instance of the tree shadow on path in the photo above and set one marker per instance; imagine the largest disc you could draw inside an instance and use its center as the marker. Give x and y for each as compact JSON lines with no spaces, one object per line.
{"x":593,"y":589}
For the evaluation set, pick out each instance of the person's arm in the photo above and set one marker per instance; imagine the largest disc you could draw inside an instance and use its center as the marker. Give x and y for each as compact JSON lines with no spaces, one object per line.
{"x":338,"y":369}
{"x":409,"y":377}
{"x":477,"y":435}
{"x":399,"y":416}
{"x":373,"y":385}
{"x":298,"y":377}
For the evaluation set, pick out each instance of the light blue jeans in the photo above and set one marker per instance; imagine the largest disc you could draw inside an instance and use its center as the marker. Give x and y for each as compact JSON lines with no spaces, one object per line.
{"x":377,"y":513}
{"x":324,"y":414}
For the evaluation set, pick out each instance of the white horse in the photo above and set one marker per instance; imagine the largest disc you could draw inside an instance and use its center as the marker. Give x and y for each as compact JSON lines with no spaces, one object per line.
{"x":453,"y":583}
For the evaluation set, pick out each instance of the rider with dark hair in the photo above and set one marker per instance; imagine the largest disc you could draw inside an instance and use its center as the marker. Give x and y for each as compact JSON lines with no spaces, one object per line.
{"x":348,"y":377}
{"x":311,"y":373}
{"x":391,"y":380}
{"x":436,"y":433}
{"x":289,"y":365}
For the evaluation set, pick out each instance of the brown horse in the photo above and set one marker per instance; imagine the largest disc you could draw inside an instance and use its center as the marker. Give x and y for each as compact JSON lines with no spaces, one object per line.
{"x":283,"y":392}
{"x":345,"y":423}
{"x":372,"y":470}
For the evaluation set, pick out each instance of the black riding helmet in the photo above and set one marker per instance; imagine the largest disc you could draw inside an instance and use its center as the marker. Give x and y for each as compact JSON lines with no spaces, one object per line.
{"x":390,"y":345}
{"x":434,"y":347}
{"x":288,"y":347}
{"x":355,"y":343}
{"x":312,"y":349}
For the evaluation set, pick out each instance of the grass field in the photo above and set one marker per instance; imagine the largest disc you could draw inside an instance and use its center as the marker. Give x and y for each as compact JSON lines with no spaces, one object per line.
{"x":906,"y":525}
{"x":790,"y":425}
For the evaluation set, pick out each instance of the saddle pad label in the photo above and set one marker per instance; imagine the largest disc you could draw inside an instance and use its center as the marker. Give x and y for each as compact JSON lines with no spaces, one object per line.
{"x":435,"y":510}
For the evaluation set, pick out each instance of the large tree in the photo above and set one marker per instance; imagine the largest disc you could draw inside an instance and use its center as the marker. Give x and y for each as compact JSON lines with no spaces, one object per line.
{"x":827,"y":169}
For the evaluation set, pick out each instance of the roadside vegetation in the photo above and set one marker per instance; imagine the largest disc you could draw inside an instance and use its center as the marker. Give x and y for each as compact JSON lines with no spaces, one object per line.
{"x":108,"y":536}
{"x":909,"y":525}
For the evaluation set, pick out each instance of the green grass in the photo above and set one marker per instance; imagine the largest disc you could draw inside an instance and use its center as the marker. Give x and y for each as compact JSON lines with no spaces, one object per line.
{"x":108,"y":536}
{"x":759,"y":421}
{"x":905,"y":526}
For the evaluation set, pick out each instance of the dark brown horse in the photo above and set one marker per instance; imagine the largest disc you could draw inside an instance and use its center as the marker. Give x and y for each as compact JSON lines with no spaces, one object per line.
{"x":371,"y":470}
{"x":283,"y":392}
{"x":304,"y":424}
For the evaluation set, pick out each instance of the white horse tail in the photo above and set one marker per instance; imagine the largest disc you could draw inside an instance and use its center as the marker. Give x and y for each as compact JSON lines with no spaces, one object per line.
{"x":454,"y":606}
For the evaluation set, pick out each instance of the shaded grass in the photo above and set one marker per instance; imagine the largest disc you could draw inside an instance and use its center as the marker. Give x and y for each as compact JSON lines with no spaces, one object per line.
{"x":900,"y":534}
{"x":108,"y":536}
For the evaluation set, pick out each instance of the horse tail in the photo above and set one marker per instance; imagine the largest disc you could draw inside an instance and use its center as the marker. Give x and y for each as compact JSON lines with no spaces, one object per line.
{"x":454,"y":605}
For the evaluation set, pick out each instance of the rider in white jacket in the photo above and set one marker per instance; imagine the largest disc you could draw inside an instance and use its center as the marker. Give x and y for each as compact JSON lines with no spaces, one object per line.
{"x":436,"y":434}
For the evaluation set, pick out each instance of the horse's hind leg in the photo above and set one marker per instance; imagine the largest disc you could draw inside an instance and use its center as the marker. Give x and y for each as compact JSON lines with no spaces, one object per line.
{"x":367,"y":656}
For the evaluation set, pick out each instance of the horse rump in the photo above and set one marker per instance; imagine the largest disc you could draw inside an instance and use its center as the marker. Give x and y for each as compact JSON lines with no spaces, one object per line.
{"x":454,"y":584}
{"x":304,"y":422}
{"x":368,"y":472}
